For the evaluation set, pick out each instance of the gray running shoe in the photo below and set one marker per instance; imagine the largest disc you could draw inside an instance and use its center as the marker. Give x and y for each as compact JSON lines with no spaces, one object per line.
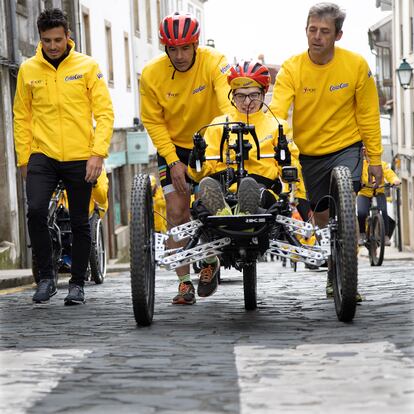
{"x":249,"y":196}
{"x":46,"y":288}
{"x":212,"y":197}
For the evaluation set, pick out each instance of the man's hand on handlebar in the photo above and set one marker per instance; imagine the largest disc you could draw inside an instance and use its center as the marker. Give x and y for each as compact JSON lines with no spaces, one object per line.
{"x":178,"y":173}
{"x":375,"y":175}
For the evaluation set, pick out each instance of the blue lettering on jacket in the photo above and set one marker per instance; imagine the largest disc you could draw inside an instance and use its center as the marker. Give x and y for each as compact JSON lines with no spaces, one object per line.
{"x":199,"y":89}
{"x":339,"y":86}
{"x":73,"y":77}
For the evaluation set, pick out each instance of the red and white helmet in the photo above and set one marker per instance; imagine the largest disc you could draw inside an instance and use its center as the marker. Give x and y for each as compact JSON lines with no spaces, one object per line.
{"x":179,"y":29}
{"x":248,"y":74}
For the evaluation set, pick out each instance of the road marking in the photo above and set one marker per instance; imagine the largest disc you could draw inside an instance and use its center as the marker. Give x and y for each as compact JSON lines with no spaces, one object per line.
{"x":15,"y":290}
{"x":321,"y":378}
{"x":28,"y":376}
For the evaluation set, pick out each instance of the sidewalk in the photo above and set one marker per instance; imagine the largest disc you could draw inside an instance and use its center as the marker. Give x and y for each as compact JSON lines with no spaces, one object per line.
{"x":12,"y":278}
{"x":391,"y":253}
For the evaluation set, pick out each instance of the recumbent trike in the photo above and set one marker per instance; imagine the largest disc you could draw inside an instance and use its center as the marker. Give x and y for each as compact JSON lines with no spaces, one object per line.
{"x":241,"y":240}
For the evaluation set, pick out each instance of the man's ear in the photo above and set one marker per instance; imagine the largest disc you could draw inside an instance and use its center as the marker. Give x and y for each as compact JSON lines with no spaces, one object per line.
{"x":196,"y":45}
{"x":339,"y":35}
{"x":68,"y":34}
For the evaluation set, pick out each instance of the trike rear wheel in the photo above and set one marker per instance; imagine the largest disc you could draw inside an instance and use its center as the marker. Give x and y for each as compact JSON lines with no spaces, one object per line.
{"x":250,"y":286}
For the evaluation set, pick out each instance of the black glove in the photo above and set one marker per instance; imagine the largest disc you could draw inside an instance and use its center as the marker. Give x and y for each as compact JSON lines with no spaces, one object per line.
{"x":198,"y":153}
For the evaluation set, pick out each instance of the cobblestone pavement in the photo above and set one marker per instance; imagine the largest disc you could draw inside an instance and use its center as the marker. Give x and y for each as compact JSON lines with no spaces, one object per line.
{"x":289,"y":356}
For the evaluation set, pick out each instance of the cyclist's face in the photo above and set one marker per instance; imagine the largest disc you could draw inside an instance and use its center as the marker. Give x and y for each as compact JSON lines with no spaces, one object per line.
{"x":182,"y":56}
{"x":54,"y":42}
{"x":248,"y":99}
{"x":321,"y":39}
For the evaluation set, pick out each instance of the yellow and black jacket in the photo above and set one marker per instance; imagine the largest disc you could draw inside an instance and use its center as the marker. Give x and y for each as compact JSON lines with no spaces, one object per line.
{"x":334,"y":105}
{"x":388,"y":175}
{"x":267,"y":133}
{"x":174,"y":105}
{"x":54,"y":109}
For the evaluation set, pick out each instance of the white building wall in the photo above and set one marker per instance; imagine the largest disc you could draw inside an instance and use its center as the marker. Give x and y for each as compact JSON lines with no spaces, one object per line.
{"x":403,"y":125}
{"x":123,"y":99}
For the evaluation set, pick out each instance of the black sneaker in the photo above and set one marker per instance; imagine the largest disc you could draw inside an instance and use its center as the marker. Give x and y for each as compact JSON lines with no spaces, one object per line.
{"x":46,"y":288}
{"x":207,"y":284}
{"x":75,"y":295}
{"x":185,"y":294}
{"x":212,"y":197}
{"x":249,"y":196}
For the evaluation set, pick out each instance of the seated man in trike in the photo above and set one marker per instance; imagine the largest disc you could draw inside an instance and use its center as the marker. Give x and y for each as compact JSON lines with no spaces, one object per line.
{"x":257,"y":183}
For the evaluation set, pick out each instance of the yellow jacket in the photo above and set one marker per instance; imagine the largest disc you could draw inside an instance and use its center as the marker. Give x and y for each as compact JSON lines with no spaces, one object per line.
{"x":334,"y":105}
{"x":267,"y":133}
{"x":389,"y":176}
{"x":99,"y":195}
{"x":174,"y":105}
{"x":160,"y":211}
{"x":53,"y":109}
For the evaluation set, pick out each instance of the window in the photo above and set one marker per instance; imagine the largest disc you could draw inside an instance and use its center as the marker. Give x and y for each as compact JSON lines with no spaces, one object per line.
{"x":411,"y":35}
{"x":412,"y":130}
{"x":127,"y":62}
{"x":403,"y":140}
{"x":136,"y":17}
{"x":109,"y":55}
{"x":190,"y":9}
{"x":148,"y":16}
{"x":86,"y":32}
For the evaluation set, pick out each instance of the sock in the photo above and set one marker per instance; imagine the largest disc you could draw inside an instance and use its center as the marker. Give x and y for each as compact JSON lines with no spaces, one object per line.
{"x":210,"y":260}
{"x":185,"y":278}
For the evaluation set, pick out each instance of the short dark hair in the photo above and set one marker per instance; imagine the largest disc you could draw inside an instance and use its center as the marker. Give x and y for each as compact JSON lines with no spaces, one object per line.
{"x":331,"y":10}
{"x":51,"y":18}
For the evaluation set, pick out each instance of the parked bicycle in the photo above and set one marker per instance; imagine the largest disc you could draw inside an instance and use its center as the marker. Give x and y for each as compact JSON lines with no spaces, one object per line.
{"x":61,"y":237}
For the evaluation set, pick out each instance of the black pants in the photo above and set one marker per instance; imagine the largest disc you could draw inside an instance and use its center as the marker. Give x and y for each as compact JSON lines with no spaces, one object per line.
{"x":43,"y":174}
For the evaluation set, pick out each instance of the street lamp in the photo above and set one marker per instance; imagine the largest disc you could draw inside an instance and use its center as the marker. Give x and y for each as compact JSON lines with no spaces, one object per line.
{"x":405,"y":74}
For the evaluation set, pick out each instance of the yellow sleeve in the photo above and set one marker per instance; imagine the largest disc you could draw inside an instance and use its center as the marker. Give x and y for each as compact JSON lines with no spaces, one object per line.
{"x":152,"y":116}
{"x":389,"y":175}
{"x":221,"y":87}
{"x":212,"y":137}
{"x":102,"y":110}
{"x":99,"y":193}
{"x":22,"y":121}
{"x":367,"y":114}
{"x":283,"y":93}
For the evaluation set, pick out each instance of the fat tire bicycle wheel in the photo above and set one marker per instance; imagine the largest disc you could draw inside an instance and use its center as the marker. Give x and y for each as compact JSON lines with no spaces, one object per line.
{"x":97,"y":258}
{"x":250,"y":286}
{"x":376,"y":239}
{"x":142,"y":250}
{"x":344,"y":244}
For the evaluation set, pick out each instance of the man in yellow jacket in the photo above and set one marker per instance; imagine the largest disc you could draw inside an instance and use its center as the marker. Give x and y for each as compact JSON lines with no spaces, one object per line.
{"x":335,"y":109}
{"x":181,"y":91}
{"x":59,"y":92}
{"x":366,"y":193}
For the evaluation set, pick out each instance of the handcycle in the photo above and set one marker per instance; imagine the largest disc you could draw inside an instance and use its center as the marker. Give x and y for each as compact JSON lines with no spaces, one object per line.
{"x":272,"y":231}
{"x":375,"y":230}
{"x":61,"y":238}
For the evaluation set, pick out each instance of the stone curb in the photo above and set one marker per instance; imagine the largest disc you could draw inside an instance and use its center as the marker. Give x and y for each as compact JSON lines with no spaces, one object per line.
{"x":12,"y":278}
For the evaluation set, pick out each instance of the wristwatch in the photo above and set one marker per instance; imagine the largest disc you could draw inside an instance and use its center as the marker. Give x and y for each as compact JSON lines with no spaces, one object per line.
{"x":173,"y":163}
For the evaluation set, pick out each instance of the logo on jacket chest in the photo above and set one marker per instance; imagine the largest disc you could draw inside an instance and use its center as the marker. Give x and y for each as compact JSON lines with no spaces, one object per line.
{"x":339,"y":86}
{"x":308,"y":90}
{"x":172,"y":94}
{"x":70,"y":78}
{"x":199,"y":89}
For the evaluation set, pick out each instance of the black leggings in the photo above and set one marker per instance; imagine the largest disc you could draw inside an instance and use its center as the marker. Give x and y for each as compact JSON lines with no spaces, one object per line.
{"x":43,"y":174}
{"x":363,"y":206}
